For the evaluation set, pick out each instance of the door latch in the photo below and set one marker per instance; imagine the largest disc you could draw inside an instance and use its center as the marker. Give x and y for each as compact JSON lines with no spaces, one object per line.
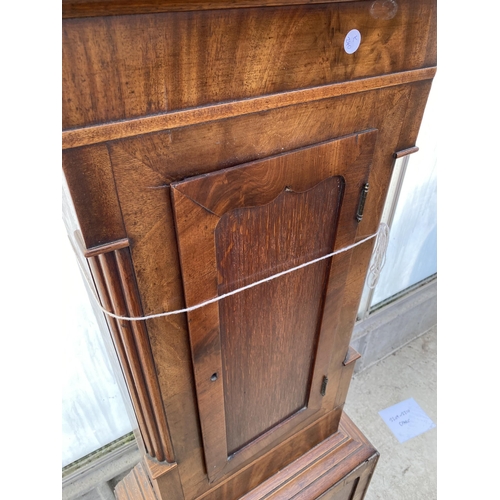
{"x":361,"y":204}
{"x":323,"y":385}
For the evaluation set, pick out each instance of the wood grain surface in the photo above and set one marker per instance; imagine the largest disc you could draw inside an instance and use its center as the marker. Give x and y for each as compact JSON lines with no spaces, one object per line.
{"x":268,"y":357}
{"x":281,"y":230}
{"x":161,"y":96}
{"x":165,"y":121}
{"x":115,"y":283}
{"x":122,"y":67}
{"x":345,"y":460}
{"x":135,"y":485}
{"x":143,"y":168}
{"x":86,"y":8}
{"x":92,"y":185}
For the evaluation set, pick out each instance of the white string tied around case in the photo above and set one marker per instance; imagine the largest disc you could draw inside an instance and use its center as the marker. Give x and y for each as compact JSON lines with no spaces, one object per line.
{"x":378,"y":261}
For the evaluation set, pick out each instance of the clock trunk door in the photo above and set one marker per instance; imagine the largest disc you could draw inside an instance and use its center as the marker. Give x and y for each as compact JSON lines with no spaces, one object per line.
{"x":261,"y":355}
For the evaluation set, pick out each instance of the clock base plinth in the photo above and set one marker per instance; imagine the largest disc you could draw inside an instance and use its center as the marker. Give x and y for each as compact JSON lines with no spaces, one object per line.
{"x":339,"y":468}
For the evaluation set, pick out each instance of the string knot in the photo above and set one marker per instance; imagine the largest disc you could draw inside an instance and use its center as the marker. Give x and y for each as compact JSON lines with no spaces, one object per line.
{"x":379,"y":255}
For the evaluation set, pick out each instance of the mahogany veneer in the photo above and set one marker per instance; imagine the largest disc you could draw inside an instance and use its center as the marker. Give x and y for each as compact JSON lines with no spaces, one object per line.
{"x":339,"y":469}
{"x":209,"y":145}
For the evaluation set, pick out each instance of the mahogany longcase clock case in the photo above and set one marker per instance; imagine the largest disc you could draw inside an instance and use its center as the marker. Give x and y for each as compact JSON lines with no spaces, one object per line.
{"x":209,"y":148}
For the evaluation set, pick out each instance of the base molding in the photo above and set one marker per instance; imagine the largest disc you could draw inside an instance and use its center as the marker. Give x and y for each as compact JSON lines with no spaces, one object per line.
{"x":135,"y":485}
{"x":338,"y":468}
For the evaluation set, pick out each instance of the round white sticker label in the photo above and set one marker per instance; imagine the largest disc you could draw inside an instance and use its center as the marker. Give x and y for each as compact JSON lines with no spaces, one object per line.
{"x":352,"y":41}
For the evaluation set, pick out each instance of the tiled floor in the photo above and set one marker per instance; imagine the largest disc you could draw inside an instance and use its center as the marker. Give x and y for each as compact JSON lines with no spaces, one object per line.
{"x":405,"y":471}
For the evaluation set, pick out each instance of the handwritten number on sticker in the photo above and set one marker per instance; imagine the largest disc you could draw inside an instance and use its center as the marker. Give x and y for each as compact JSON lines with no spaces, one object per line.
{"x":352,"y":41}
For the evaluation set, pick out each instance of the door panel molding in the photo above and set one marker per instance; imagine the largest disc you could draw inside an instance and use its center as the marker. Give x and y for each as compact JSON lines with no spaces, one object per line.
{"x":199,"y":205}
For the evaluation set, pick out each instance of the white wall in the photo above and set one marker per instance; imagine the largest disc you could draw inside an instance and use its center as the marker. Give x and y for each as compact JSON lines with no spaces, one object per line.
{"x":93,"y":409}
